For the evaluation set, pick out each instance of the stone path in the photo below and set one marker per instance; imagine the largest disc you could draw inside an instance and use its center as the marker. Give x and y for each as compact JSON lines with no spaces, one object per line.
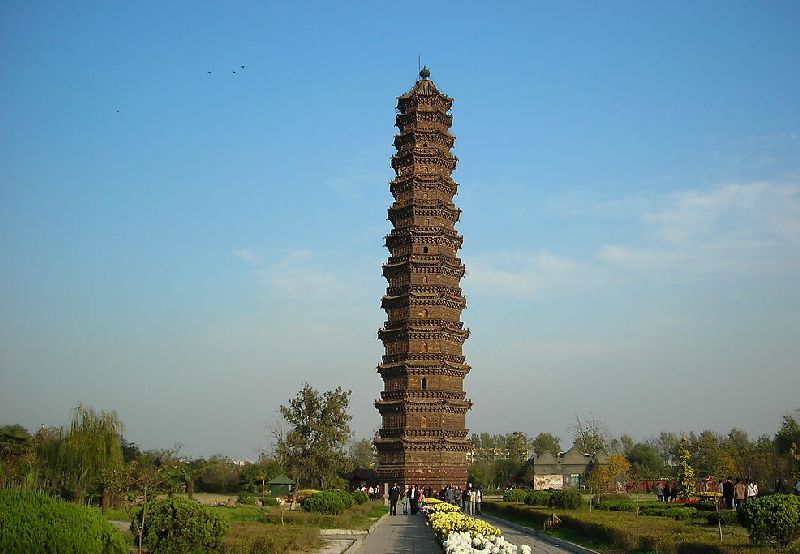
{"x":401,"y":534}
{"x":409,"y":534}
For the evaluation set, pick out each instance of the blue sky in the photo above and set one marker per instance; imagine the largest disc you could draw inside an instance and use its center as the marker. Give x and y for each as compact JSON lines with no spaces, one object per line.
{"x":188,"y":247}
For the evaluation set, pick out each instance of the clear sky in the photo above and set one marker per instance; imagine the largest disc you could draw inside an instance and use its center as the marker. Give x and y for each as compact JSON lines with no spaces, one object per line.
{"x":187,"y":240}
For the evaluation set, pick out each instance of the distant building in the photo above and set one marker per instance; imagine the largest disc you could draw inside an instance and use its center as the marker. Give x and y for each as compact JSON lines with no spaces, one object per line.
{"x":565,"y":471}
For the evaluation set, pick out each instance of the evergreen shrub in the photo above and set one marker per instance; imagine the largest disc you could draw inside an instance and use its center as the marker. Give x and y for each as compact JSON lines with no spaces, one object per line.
{"x":360,"y":496}
{"x":675,"y":512}
{"x":538,"y":498}
{"x":617,"y":506}
{"x":178,"y":525}
{"x":515,"y":495}
{"x":570,"y":499}
{"x":725,"y":517}
{"x":773,"y":520}
{"x":269,"y":501}
{"x":326,"y":502}
{"x":347,"y":498}
{"x":34,"y":522}
{"x":246,"y":498}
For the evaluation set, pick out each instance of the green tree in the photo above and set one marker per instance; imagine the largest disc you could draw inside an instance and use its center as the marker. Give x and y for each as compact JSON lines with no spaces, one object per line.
{"x":92,"y":445}
{"x":546,"y":442}
{"x":16,"y":456}
{"x":313,"y":448}
{"x":518,"y":445}
{"x":646,"y":462}
{"x":481,"y":474}
{"x":258,"y":473}
{"x":362,"y":454}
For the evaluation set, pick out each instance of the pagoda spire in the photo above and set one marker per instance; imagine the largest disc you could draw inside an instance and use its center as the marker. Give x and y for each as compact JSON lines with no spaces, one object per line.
{"x":422,"y":439}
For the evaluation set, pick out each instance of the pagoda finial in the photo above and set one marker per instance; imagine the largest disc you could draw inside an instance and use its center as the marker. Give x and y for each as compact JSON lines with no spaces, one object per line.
{"x":424,"y":72}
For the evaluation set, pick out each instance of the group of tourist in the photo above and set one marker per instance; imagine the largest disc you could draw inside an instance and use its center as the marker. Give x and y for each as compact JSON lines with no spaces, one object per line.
{"x":668,"y":492}
{"x":469,"y":498}
{"x":735,"y":493}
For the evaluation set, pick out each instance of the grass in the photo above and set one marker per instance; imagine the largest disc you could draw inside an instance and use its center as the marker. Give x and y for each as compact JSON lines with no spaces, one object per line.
{"x":617,"y":532}
{"x":261,"y":538}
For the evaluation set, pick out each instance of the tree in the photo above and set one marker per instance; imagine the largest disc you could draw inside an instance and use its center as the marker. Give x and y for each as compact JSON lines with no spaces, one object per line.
{"x":151,"y":473}
{"x":646,"y":462}
{"x":590,"y":435}
{"x":686,"y":475}
{"x":518,"y":446}
{"x":613,"y":474}
{"x":318,"y":430}
{"x":260,"y":472}
{"x":16,"y":455}
{"x":666,"y":444}
{"x":546,"y":442}
{"x":362,"y":454}
{"x":78,"y":458}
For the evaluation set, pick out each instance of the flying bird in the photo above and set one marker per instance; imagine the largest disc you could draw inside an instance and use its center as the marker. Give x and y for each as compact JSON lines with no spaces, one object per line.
{"x":241,"y":66}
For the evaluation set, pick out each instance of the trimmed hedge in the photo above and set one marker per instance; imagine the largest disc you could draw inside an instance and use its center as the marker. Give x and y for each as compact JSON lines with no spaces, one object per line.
{"x":327,"y":502}
{"x":34,"y":522}
{"x":360,"y":496}
{"x":178,"y":525}
{"x":569,"y":499}
{"x":675,"y":512}
{"x":617,"y":506}
{"x":727,"y":518}
{"x":618,"y":530}
{"x":515,"y":495}
{"x":538,"y":498}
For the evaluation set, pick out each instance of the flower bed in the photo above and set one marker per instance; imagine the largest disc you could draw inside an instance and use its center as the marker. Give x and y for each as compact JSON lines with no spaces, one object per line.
{"x":462,"y":534}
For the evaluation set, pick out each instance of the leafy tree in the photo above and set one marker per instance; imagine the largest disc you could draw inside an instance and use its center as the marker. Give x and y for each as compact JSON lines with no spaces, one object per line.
{"x":362,"y":454}
{"x":481,"y":474}
{"x":91,"y":446}
{"x":546,"y":442}
{"x":504,"y":471}
{"x":709,"y":456}
{"x":218,"y":474}
{"x":318,"y":430}
{"x":518,"y":445}
{"x":16,"y":455}
{"x":667,"y":446}
{"x":260,"y":472}
{"x":613,"y":474}
{"x":140,"y":480}
{"x":686,"y":475}
{"x":646,"y":462}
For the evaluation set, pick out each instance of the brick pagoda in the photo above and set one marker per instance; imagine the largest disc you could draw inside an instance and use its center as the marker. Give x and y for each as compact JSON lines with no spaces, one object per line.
{"x":422,"y":439}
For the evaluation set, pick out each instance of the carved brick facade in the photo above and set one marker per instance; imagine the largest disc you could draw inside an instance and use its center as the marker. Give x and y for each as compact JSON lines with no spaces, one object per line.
{"x":422,"y":439}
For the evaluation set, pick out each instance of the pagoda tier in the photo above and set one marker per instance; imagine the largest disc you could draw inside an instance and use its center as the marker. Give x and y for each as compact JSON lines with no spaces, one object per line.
{"x":423,"y":437}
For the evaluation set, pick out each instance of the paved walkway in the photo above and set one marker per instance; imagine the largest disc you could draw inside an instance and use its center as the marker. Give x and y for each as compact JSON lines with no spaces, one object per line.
{"x":401,"y":534}
{"x":409,"y":534}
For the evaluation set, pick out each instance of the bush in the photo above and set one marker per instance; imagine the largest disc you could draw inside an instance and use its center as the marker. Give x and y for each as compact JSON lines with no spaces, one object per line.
{"x":772,"y":519}
{"x":617,"y":506}
{"x":515,"y":495}
{"x":538,"y":498}
{"x":177,"y":525}
{"x":725,"y":517}
{"x":246,"y":498}
{"x":346,"y":497}
{"x":570,"y":499}
{"x":326,"y":502}
{"x":675,"y":512}
{"x":269,"y":501}
{"x":360,"y":496}
{"x":34,"y":522}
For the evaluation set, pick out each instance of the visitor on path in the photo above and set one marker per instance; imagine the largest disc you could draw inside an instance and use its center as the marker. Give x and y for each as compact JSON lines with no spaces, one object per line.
{"x":404,"y":501}
{"x":666,"y":492}
{"x":413,"y":498}
{"x":394,"y":496}
{"x":727,"y":492}
{"x":739,"y":493}
{"x":673,"y":492}
{"x":478,"y":499}
{"x":456,"y":496}
{"x":464,"y":500}
{"x":752,"y":490}
{"x":448,"y":494}
{"x":473,"y":498}
{"x":658,"y":490}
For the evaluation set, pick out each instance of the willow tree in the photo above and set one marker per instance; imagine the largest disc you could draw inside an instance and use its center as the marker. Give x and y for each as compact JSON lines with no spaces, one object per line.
{"x":92,"y":446}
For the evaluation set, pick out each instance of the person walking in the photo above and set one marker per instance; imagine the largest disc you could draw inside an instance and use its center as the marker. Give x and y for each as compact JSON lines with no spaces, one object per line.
{"x":658,"y":490}
{"x":673,"y":492}
{"x":666,"y":492}
{"x":473,"y":498}
{"x":405,"y":503}
{"x":739,"y":493}
{"x":727,"y":492}
{"x":394,"y":496}
{"x":752,"y":490}
{"x":464,"y":500}
{"x":478,"y":499}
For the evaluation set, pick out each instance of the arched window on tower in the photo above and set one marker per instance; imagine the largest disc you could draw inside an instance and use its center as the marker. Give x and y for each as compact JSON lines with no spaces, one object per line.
{"x":424,"y":249}
{"x":424,"y":346}
{"x":424,"y":383}
{"x":424,"y":313}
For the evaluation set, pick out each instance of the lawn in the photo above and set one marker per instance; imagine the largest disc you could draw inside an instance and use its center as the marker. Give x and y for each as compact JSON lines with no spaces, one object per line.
{"x":617,"y":532}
